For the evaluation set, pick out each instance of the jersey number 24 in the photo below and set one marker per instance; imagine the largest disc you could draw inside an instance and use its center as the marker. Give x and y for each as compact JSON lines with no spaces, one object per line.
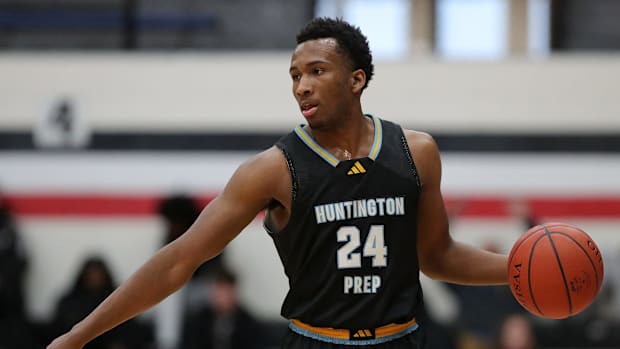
{"x":374,"y":247}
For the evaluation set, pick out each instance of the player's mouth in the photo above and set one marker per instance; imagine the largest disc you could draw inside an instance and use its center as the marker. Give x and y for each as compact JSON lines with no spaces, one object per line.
{"x":308,"y":109}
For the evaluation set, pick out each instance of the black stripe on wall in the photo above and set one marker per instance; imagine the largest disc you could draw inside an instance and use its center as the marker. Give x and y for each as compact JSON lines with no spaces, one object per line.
{"x":466,"y":142}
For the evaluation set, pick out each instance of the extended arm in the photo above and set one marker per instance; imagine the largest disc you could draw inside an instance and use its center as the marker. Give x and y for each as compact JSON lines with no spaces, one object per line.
{"x":440,"y":256}
{"x":246,"y":194}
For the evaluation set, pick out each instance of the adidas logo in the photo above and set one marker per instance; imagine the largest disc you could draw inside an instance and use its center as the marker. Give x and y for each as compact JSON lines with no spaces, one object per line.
{"x":357,"y":168}
{"x":363,"y":334}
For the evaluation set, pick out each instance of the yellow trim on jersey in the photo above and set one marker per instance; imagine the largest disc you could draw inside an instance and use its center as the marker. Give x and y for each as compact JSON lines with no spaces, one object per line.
{"x":305,"y":137}
{"x":376,"y":145}
{"x":391,"y":329}
{"x":330,"y":158}
{"x":323,"y":331}
{"x":383,"y":331}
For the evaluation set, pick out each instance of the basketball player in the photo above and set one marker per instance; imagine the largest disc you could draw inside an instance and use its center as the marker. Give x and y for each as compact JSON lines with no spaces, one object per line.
{"x":353,"y":205}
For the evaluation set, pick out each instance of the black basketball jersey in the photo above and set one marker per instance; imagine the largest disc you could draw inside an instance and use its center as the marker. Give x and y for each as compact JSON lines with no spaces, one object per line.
{"x":349,"y":248}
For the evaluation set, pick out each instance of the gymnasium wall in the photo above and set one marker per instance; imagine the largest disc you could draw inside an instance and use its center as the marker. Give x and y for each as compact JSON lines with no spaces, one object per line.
{"x":73,"y":202}
{"x":251,"y":92}
{"x":72,"y":205}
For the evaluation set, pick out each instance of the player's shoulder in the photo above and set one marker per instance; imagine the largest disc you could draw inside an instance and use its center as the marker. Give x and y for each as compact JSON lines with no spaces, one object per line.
{"x":259,"y":180}
{"x":420,"y":141}
{"x":268,"y":161}
{"x":262,"y":173}
{"x":425,"y":154}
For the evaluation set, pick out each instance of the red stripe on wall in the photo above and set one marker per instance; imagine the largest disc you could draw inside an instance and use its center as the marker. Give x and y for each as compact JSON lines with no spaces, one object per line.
{"x":584,"y":207}
{"x":87,"y":205}
{"x":145,"y":205}
{"x":579,"y":207}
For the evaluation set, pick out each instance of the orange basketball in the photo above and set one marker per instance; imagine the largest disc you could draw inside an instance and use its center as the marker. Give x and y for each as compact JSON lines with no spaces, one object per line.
{"x":555,"y":270}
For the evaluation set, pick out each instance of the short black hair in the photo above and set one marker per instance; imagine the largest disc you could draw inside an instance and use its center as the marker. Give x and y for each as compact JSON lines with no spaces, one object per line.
{"x":225,"y":276}
{"x":180,"y":209}
{"x":351,"y":41}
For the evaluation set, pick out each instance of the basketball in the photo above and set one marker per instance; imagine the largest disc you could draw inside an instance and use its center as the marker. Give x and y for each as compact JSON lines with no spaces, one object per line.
{"x":555,"y":270}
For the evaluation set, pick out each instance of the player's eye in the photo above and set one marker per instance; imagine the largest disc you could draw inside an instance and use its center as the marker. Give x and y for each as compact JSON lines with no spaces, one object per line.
{"x":319,"y":71}
{"x":295,"y":77}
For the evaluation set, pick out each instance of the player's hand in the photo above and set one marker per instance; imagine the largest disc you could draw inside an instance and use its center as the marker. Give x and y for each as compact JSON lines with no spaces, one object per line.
{"x":66,"y":341}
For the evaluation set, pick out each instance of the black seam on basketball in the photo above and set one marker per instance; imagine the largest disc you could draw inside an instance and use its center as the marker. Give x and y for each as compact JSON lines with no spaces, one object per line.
{"x":584,"y":251}
{"x":557,"y":256}
{"x":529,"y":269}
{"x":517,"y":246}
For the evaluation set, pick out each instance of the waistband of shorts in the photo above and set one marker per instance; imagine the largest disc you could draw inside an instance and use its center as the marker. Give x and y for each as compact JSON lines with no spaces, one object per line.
{"x":364,"y":336}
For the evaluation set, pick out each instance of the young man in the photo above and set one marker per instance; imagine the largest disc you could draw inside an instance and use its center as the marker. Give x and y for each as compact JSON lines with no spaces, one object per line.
{"x":353,"y":205}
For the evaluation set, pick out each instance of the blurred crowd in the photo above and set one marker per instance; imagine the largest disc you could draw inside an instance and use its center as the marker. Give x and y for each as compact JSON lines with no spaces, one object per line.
{"x":489,"y":317}
{"x":209,"y":314}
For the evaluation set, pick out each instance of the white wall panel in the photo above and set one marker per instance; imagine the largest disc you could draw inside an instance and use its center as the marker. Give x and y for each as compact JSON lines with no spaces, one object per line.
{"x":252,"y":92}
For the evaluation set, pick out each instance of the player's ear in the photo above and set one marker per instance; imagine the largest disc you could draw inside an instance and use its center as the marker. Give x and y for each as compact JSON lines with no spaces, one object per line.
{"x":358,"y":80}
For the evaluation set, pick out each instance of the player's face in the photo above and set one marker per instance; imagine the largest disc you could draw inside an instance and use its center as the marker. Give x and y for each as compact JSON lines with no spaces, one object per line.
{"x":322,"y":79}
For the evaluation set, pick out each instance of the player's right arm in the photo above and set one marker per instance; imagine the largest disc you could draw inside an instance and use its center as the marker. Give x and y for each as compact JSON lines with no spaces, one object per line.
{"x":254,"y":185}
{"x":441,"y":257}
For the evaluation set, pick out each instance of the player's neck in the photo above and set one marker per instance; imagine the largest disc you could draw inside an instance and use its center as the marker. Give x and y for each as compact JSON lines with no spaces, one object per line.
{"x":348,"y":140}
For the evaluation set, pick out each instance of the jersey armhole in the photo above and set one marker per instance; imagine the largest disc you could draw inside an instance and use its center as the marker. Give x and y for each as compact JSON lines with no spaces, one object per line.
{"x":267,"y":224}
{"x":291,"y":170}
{"x":412,"y":167}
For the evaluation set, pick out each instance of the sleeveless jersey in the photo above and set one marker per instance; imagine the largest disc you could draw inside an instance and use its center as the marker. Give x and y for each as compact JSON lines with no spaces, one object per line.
{"x":349,"y":248}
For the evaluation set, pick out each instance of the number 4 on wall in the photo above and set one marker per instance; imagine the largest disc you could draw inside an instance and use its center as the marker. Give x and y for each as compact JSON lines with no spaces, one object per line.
{"x":373,"y":247}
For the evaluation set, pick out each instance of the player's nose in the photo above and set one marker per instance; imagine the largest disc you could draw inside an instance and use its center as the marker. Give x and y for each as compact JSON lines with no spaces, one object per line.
{"x":304,"y":87}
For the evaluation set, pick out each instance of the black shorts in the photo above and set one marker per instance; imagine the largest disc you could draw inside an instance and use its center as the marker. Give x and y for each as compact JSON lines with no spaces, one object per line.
{"x":413,"y":340}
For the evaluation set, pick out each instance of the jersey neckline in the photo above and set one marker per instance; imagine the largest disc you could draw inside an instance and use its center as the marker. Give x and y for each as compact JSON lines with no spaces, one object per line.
{"x":375,"y":148}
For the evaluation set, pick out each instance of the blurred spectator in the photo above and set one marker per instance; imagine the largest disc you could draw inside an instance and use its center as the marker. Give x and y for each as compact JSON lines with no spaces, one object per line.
{"x":93,"y":284}
{"x":14,"y":327}
{"x":516,"y":332}
{"x":12,"y":266}
{"x":179,"y":212}
{"x":610,"y":293}
{"x":522,"y":210}
{"x":223,"y":323}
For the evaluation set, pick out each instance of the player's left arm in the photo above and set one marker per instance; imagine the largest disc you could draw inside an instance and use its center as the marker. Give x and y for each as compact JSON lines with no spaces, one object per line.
{"x":440,"y":256}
